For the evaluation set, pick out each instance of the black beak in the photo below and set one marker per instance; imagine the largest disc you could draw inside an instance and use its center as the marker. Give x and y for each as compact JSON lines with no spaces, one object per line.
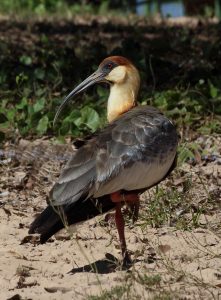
{"x":96,"y":77}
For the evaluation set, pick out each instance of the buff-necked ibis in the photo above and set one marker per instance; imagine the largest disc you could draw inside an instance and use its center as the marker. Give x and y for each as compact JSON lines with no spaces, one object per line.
{"x":135,"y":151}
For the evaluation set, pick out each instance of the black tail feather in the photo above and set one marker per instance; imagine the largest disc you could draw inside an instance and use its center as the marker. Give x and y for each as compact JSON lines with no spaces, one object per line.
{"x":49,"y":221}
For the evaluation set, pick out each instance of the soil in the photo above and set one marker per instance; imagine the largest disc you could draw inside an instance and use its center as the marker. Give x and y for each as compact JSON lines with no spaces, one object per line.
{"x":168,"y":260}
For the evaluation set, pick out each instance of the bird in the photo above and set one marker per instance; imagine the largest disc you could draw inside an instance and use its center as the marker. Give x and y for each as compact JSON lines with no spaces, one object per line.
{"x":135,"y":151}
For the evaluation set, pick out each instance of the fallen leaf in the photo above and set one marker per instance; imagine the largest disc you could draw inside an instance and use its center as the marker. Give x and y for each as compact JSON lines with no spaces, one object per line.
{"x":57,"y":289}
{"x":164,"y":248}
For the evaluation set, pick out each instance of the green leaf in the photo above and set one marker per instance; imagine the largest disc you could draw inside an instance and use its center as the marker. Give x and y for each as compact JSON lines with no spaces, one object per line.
{"x":22,"y":104}
{"x":26,"y":60}
{"x":102,"y":92}
{"x":30,"y":112}
{"x":40,"y":9}
{"x":4,"y":125}
{"x":184,"y":153}
{"x":21,"y":78}
{"x":201,"y":81}
{"x":42,"y":125}
{"x":39,"y":105}
{"x":64,"y":128}
{"x":78,"y":122}
{"x":17,"y":79}
{"x":39,"y":73}
{"x":40,"y":92}
{"x":11,"y":114}
{"x":90,"y":117}
{"x":213,"y":90}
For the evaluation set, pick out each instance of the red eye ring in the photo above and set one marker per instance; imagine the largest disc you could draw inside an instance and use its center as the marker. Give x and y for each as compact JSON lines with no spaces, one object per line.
{"x":110,"y":65}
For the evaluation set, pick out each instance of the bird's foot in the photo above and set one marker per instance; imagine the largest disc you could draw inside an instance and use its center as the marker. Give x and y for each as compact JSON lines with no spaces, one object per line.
{"x":127,"y":261}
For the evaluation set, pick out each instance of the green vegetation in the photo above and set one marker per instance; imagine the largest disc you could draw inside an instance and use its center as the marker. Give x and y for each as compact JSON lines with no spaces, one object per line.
{"x":71,"y":8}
{"x":170,"y":206}
{"x":66,"y":8}
{"x":126,"y":291}
{"x":42,"y":7}
{"x":30,"y":96}
{"x":148,"y":281}
{"x":197,"y":107}
{"x":29,"y":109}
{"x":115,"y":293}
{"x":46,"y":60}
{"x":129,"y":288}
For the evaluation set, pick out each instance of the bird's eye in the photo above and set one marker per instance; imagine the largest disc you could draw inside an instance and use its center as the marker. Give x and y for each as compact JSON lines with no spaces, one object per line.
{"x":108,"y":66}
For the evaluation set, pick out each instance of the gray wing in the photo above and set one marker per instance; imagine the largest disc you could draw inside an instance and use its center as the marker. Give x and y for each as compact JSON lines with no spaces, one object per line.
{"x":139,"y":153}
{"x":137,"y":136}
{"x":77,"y":177}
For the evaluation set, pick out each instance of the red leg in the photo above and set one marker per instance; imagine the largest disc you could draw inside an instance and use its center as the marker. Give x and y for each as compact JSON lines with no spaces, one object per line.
{"x":117,"y":197}
{"x":132,"y":200}
{"x":119,"y":219}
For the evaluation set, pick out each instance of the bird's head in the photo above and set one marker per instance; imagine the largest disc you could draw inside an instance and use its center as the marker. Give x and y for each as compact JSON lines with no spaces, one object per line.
{"x":124,"y":80}
{"x":117,"y":69}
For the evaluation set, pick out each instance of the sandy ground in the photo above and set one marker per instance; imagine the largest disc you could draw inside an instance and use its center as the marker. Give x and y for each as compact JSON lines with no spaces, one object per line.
{"x":170,"y":262}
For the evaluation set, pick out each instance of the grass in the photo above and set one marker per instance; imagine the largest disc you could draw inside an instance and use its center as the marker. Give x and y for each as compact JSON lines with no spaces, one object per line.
{"x":125,"y":291}
{"x":148,"y":281}
{"x":133,"y":288}
{"x":114,"y":293}
{"x":176,"y":203}
{"x":166,"y":296}
{"x":166,"y":206}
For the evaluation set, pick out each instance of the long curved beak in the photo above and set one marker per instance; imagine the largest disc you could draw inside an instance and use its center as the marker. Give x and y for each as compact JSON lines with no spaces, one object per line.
{"x":96,"y":77}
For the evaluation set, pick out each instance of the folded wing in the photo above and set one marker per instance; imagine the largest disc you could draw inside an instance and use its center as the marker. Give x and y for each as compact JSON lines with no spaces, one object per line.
{"x":142,"y":137}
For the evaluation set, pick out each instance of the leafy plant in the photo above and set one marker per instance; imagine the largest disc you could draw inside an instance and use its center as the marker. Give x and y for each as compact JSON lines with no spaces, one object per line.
{"x":32,"y":113}
{"x":190,"y":107}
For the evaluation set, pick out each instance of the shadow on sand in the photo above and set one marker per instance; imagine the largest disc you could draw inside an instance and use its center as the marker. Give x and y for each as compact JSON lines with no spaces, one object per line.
{"x":103,"y":266}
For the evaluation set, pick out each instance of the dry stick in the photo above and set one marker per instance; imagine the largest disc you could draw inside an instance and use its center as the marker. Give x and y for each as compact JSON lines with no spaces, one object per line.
{"x":152,"y":74}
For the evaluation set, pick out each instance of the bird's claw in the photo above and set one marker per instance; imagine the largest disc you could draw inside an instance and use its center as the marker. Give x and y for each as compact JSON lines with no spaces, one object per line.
{"x":127,"y":261}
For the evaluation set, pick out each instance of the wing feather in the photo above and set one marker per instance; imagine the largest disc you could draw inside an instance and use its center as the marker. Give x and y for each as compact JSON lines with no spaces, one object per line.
{"x":77,"y":177}
{"x":139,"y":135}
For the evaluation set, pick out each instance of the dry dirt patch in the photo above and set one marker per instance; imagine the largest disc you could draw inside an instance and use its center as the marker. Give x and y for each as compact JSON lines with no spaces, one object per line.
{"x":179,"y":259}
